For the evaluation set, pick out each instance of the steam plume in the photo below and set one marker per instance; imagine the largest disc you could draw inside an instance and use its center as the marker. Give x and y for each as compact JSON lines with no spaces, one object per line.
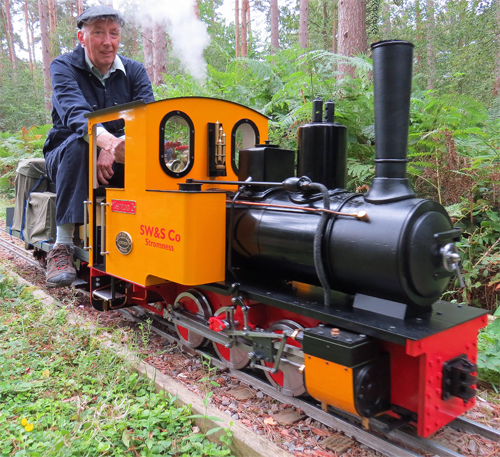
{"x":188,"y":34}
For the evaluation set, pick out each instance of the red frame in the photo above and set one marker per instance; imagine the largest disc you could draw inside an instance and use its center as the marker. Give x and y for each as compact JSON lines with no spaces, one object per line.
{"x":416,"y":374}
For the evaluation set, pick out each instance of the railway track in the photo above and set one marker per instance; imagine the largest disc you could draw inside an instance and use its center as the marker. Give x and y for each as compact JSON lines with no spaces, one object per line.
{"x":378,"y":437}
{"x":10,"y":246}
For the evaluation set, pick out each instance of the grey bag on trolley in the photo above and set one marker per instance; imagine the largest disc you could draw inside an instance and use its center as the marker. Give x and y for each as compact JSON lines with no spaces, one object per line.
{"x":40,"y":217}
{"x":30,"y":177}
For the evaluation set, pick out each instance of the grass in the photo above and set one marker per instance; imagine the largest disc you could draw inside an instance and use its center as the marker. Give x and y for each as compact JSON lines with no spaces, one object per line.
{"x":62,"y":392}
{"x":4,"y":203}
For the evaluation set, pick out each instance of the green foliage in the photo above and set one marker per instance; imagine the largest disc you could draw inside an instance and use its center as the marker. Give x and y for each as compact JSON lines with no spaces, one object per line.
{"x":488,"y":361}
{"x":372,"y":17}
{"x":21,"y":98}
{"x":25,"y":144}
{"x":63,"y":393}
{"x":459,"y":35}
{"x":222,"y":37}
{"x":462,"y":41}
{"x":480,"y":253}
{"x":4,"y":203}
{"x":289,"y":23}
{"x":452,"y":146}
{"x":208,"y":383}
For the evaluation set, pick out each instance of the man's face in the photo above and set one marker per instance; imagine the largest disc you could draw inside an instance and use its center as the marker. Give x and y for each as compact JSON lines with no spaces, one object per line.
{"x":101,"y":40}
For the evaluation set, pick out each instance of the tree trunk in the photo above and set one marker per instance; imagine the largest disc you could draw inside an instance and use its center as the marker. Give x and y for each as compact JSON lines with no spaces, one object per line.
{"x":326,"y":39}
{"x":303,"y":23}
{"x":79,"y":10}
{"x":496,"y":85}
{"x":237,"y":27}
{"x":33,"y":18}
{"x":159,"y":52}
{"x":9,"y":34}
{"x":431,"y":53}
{"x":28,"y":38}
{"x":352,"y":31}
{"x":147,"y":45}
{"x":244,"y":31}
{"x":52,"y":15}
{"x":249,"y":28}
{"x":136,"y":39}
{"x":274,"y":13}
{"x":47,"y":86}
{"x":335,"y":26}
{"x":55,"y":49}
{"x":72,"y":11}
{"x":418,"y":13}
{"x":386,"y":21}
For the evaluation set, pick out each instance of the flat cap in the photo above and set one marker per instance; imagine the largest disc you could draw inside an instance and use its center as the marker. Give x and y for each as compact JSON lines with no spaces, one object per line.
{"x":99,"y":12}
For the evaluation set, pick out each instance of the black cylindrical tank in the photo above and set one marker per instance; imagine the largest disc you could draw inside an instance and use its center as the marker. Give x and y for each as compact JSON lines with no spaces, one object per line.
{"x":279,"y":242}
{"x":396,"y":255}
{"x":322,"y":148}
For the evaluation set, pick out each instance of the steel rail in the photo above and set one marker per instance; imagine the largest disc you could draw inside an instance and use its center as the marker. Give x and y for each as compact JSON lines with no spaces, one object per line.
{"x":463,"y":424}
{"x":20,"y":252}
{"x":412,"y":440}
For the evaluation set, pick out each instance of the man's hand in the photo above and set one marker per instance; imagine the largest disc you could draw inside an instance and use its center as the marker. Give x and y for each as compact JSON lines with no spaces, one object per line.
{"x":112,"y":150}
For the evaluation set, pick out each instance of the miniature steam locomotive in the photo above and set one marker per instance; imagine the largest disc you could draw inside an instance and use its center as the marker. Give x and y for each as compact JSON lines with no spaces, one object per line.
{"x":327,"y":292}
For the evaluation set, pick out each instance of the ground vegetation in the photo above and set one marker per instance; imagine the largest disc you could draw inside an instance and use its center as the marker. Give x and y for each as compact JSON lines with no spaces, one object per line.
{"x":64,"y":391}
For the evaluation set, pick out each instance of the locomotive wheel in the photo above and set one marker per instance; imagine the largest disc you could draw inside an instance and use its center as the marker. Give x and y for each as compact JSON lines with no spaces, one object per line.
{"x":235,"y":358}
{"x":194,"y":302}
{"x":289,"y":380}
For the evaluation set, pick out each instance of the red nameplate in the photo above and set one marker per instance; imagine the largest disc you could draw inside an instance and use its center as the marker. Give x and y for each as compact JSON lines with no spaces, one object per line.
{"x":123,"y":206}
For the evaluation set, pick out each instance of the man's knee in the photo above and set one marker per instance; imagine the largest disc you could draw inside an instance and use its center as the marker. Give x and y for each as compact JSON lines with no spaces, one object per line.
{"x":75,"y":151}
{"x":70,"y":157}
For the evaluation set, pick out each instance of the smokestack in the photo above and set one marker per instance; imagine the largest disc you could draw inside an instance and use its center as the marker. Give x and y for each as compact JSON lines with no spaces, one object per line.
{"x":392,"y":71}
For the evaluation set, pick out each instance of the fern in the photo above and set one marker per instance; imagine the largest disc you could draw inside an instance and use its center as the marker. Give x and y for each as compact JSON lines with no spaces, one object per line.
{"x":24,"y":145}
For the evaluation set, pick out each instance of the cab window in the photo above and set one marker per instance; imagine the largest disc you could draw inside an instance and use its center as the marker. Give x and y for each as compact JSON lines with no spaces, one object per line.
{"x":176,"y":144}
{"x":245,"y":134}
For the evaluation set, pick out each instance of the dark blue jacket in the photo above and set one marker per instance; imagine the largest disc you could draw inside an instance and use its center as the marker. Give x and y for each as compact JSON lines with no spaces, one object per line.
{"x":76,"y":91}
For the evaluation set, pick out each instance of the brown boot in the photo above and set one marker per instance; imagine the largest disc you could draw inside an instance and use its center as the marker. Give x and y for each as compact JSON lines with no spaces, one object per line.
{"x":61,"y":270}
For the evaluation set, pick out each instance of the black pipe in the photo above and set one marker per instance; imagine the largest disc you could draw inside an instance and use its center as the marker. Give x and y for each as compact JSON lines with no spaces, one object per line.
{"x":329,"y":112}
{"x":318,"y":241}
{"x":392,"y":71}
{"x":317,"y":110}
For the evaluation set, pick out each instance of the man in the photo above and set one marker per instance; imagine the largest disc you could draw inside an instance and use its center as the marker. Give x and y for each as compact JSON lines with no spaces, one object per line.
{"x":90,"y":78}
